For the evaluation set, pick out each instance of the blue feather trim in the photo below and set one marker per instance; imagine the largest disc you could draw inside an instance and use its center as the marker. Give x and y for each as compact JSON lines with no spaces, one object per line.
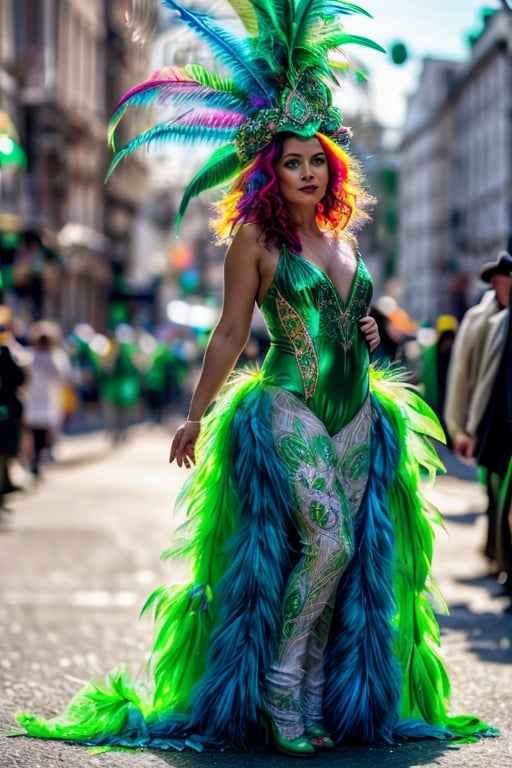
{"x":370,"y":666}
{"x":363,"y":677}
{"x":228,"y":696}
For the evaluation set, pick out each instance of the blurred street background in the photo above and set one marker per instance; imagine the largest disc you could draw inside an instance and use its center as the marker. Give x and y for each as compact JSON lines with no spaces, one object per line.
{"x":111,"y":311}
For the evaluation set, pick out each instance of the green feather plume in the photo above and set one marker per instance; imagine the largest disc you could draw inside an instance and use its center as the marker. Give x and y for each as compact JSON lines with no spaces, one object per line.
{"x":220,"y":168}
{"x":244,"y":9}
{"x":171,"y":132}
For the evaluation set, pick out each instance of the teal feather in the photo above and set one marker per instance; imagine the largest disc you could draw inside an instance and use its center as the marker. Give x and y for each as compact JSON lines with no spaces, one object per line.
{"x":298,"y":35}
{"x":311,"y":39}
{"x":215,"y":637}
{"x":174,"y":74}
{"x":187,"y":93}
{"x":274,"y":22}
{"x":345,"y":39}
{"x":183,"y":94}
{"x":231,"y":50}
{"x":173,"y":131}
{"x":312,"y":15}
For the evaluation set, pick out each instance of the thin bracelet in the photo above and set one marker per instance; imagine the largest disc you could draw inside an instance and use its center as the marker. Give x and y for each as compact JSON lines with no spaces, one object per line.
{"x":192,"y":421}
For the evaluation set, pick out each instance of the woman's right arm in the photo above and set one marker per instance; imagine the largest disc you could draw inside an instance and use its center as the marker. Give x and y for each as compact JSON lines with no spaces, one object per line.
{"x":228,"y":339}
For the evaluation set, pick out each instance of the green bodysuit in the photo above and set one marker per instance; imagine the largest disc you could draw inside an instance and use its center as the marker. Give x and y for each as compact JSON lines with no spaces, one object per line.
{"x":318,"y":362}
{"x":317,"y":349}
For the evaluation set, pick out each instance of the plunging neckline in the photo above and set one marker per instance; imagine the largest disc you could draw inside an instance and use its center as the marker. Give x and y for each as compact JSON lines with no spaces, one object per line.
{"x":343,"y":305}
{"x":350,"y":296}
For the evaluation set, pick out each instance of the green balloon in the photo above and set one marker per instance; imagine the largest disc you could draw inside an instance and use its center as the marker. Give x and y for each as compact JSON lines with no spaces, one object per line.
{"x":398,"y":53}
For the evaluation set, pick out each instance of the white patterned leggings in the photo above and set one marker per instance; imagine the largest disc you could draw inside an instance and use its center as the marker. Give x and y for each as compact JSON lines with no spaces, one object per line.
{"x":328,"y":476}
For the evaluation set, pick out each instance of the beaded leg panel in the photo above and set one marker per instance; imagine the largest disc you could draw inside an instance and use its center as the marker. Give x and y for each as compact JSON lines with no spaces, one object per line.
{"x":352,"y":446}
{"x":323,"y":517}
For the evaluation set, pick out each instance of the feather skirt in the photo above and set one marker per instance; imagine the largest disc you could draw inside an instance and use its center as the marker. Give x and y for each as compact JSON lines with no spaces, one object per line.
{"x":216,"y":636}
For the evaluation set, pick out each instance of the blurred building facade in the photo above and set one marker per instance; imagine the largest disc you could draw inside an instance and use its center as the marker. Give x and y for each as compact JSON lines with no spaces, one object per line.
{"x":455,"y":165}
{"x":63,"y":66}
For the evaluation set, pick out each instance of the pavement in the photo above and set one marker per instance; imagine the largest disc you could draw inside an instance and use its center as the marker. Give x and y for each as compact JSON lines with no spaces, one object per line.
{"x":80,"y":552}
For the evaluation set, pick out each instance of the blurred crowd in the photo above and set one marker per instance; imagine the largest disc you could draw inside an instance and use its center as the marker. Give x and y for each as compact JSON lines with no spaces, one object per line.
{"x":52,"y":385}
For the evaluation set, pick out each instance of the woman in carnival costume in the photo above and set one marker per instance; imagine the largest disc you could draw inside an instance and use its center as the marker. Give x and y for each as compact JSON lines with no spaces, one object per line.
{"x":309,"y":612}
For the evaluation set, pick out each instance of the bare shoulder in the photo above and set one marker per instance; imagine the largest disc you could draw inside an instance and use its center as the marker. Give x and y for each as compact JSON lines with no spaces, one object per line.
{"x":247,"y":237}
{"x":253,"y":257}
{"x":245,"y":249}
{"x":248,"y":247}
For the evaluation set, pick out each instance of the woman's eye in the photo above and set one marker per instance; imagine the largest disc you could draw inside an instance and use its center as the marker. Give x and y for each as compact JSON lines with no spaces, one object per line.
{"x":319,"y":161}
{"x":291,"y":164}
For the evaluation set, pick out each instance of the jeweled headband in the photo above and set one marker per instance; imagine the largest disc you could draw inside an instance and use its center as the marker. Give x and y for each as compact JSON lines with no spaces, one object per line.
{"x":305,"y":110}
{"x":275,"y":77}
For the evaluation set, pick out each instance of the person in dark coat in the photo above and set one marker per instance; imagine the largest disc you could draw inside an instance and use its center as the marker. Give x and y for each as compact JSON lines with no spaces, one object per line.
{"x":493,"y":448}
{"x":11,"y":379}
{"x":476,"y":397}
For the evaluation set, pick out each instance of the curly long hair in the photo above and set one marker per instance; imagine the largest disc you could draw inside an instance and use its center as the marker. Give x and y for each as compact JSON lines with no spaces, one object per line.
{"x":255,"y":198}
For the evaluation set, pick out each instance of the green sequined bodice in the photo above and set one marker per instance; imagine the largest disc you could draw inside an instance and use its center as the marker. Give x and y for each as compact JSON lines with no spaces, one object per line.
{"x":317,"y":349}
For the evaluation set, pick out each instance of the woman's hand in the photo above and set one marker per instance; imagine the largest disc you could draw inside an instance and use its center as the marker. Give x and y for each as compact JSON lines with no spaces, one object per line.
{"x":370,"y":330}
{"x":183,"y":444}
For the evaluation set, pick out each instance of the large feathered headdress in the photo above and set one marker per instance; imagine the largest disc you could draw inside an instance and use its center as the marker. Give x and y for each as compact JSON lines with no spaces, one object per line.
{"x":276,"y":76}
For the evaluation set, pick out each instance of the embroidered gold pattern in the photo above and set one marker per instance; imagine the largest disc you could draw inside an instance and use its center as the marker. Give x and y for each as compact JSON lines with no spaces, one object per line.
{"x":339,"y":322}
{"x":299,"y":336}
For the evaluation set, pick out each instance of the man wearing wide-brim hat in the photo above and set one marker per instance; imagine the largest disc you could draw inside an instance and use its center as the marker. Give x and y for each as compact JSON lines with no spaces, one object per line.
{"x":502,"y":265}
{"x":477,"y":400}
{"x":467,"y":354}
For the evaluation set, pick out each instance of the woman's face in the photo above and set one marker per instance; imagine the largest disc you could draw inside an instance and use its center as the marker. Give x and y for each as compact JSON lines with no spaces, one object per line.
{"x":302,"y":171}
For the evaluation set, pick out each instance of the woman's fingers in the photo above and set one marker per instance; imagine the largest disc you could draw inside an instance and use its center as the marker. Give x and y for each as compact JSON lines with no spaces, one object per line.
{"x":183,"y":446}
{"x":370,"y":329}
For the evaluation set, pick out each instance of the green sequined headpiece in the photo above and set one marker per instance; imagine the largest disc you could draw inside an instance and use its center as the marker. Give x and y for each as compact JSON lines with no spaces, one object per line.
{"x":305,"y":110}
{"x":274,"y":77}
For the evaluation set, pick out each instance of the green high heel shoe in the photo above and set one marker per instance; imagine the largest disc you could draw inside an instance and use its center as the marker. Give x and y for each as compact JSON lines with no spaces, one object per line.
{"x":319,"y":737}
{"x":298,"y":747}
